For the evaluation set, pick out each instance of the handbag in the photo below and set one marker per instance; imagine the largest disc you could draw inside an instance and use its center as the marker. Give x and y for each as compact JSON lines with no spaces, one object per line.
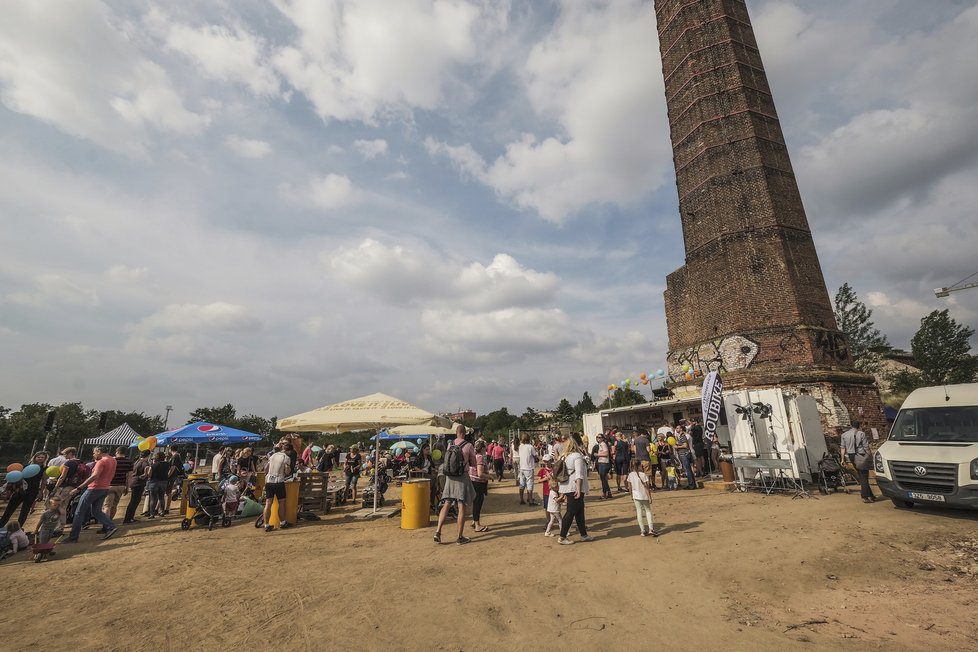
{"x":862,"y":460}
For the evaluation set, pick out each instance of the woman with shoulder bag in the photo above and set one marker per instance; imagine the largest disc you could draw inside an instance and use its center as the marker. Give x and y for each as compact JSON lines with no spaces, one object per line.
{"x":574,"y":489}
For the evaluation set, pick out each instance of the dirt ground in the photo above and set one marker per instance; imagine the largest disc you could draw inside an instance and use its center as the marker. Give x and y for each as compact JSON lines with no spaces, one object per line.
{"x":731,"y":572}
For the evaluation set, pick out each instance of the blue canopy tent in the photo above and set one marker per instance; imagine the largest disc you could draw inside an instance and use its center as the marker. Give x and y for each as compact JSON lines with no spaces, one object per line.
{"x":204,"y":433}
{"x":387,"y":436}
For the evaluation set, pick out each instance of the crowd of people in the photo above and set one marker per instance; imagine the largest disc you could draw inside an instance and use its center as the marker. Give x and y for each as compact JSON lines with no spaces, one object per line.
{"x":553,"y":469}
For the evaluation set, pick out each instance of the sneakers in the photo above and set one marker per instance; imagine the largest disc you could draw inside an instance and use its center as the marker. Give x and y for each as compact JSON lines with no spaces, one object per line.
{"x":110,"y":533}
{"x":548,"y":534}
{"x":587,"y":537}
{"x":655,"y":533}
{"x":644,"y":533}
{"x":564,"y":542}
{"x":269,"y":528}
{"x":463,"y":540}
{"x":285,"y":525}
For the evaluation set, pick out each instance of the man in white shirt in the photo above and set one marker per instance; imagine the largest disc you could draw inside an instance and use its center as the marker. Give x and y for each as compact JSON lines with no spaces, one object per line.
{"x":528,"y":467}
{"x":278,"y":470}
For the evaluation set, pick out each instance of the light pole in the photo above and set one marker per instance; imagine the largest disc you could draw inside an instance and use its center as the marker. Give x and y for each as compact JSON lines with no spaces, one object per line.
{"x":166,"y":419}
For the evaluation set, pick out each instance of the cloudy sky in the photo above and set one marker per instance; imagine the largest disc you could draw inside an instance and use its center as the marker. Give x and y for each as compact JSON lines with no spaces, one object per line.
{"x":461,"y":203}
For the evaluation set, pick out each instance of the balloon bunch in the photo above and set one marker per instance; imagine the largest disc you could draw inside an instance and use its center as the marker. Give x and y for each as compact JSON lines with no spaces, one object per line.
{"x":17,"y":472}
{"x":147,"y":444}
{"x":644,"y":378}
{"x":689,"y":373}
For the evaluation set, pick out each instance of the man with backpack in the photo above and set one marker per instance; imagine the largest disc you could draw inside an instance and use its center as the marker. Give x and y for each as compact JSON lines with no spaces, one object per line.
{"x":458,"y":489}
{"x":73,"y":473}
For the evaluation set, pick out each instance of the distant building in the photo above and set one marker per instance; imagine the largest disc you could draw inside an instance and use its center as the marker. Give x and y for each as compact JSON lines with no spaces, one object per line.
{"x":462,"y":416}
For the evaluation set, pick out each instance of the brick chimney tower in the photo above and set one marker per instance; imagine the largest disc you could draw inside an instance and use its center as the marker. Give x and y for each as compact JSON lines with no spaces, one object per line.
{"x":750,"y":301}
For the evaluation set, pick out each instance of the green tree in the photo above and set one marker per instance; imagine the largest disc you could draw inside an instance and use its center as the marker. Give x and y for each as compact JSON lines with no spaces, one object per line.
{"x":624,"y":396}
{"x":143,"y":424}
{"x":27,"y":424}
{"x":224,"y":415}
{"x":855,"y":320}
{"x":497,"y":424}
{"x":942,"y":348}
{"x":530,"y":419}
{"x":254,"y":423}
{"x":585,"y":406}
{"x":565,"y":412}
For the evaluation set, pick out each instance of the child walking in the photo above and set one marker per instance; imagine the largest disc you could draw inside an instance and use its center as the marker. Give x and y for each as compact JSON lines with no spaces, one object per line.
{"x":553,"y":507}
{"x":232,"y":495}
{"x":638,"y":483}
{"x":49,"y":521}
{"x":671,"y":475}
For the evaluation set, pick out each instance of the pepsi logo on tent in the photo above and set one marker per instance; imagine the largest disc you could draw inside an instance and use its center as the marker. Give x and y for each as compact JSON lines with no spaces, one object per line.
{"x":207,"y":427}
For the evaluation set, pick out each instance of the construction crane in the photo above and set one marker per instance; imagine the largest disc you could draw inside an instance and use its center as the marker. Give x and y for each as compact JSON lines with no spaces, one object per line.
{"x":960,"y":285}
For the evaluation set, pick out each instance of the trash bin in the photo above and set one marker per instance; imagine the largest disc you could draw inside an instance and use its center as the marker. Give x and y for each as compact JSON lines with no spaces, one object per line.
{"x":727,"y":469}
{"x":291,"y":505}
{"x":415,"y":504}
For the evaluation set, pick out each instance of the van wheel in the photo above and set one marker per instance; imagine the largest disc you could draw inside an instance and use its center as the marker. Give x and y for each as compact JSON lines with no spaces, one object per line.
{"x":902,"y":504}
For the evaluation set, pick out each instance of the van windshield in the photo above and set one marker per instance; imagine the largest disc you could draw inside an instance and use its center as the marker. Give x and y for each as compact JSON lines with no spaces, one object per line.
{"x":937,"y":424}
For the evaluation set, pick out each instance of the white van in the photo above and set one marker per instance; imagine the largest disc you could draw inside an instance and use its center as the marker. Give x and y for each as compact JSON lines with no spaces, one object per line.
{"x":931,"y":456}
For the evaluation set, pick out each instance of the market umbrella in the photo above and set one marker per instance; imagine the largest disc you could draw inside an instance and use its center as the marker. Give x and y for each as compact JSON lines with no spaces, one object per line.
{"x":373,"y":411}
{"x":405,"y":444}
{"x":423,"y":430}
{"x":202,"y":432}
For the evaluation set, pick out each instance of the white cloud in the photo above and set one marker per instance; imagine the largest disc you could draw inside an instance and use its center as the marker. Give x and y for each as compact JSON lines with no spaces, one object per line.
{"x":229,"y":54}
{"x":125,"y":274}
{"x":334,"y":191}
{"x":421,"y":276}
{"x":499,"y":335}
{"x":247,"y":148}
{"x":74,"y":69}
{"x":202,"y":333}
{"x":371,"y":149}
{"x":364,"y":60}
{"x":52,"y":290}
{"x":591,"y":74}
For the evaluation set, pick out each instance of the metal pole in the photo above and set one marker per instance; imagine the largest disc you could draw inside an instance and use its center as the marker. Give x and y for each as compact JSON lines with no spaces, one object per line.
{"x":166,"y":419}
{"x":377,"y":469}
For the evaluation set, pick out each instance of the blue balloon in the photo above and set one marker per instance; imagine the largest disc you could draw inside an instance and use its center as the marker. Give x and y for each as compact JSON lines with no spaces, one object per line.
{"x":186,"y":466}
{"x":31,"y":470}
{"x":420,"y":440}
{"x":660,"y":372}
{"x":15,"y":476}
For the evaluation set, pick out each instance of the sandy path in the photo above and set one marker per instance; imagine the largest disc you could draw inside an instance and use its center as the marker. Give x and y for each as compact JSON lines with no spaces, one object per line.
{"x":732,"y":571}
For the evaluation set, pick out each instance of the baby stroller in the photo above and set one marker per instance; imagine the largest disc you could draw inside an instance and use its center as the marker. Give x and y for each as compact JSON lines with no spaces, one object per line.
{"x":831,"y":475}
{"x":368,"y":493}
{"x":208,"y":505}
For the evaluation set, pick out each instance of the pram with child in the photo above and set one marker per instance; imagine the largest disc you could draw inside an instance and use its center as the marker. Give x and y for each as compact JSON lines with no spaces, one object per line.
{"x":831,"y":475}
{"x":208,"y":506}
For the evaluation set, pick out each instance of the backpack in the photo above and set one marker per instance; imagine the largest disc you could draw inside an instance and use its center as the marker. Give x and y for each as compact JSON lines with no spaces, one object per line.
{"x":81,"y":473}
{"x":561,"y":473}
{"x":455,"y":461}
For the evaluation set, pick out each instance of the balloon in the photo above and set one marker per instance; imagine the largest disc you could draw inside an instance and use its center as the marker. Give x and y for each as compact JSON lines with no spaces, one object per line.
{"x":628,"y":381}
{"x":697,"y":373}
{"x":52,"y":471}
{"x":610,"y":387}
{"x":614,"y":386}
{"x":186,"y":466}
{"x":645,"y":381}
{"x":672,"y":441}
{"x":436,"y":454}
{"x":14,"y":466}
{"x":660,"y":372}
{"x":642,"y":375}
{"x":143,"y":445}
{"x":420,"y":440}
{"x":686,"y":367}
{"x":31,"y":470}
{"x":15,"y":476}
{"x":152,"y":441}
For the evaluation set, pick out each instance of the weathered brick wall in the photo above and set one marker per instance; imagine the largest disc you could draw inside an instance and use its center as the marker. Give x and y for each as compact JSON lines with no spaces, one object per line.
{"x":751,"y":300}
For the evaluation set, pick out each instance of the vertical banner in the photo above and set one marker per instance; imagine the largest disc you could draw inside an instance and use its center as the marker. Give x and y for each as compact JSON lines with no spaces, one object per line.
{"x":712,"y":403}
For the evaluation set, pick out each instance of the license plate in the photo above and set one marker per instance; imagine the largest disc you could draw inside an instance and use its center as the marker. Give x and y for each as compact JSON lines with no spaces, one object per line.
{"x":914,"y":495}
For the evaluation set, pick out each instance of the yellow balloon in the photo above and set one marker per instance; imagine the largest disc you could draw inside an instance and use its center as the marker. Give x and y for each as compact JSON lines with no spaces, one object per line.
{"x":143,"y":445}
{"x":436,"y":454}
{"x":672,"y":441}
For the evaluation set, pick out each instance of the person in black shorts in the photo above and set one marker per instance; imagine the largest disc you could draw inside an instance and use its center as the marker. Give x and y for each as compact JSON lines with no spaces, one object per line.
{"x":278,"y":471}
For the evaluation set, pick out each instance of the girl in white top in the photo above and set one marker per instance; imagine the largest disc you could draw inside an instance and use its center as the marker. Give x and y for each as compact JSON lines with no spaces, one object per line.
{"x":553,"y":508}
{"x":638,"y":484}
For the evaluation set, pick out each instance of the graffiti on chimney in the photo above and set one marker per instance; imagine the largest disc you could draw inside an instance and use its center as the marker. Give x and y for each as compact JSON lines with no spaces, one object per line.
{"x":725,"y":354}
{"x":832,"y":410}
{"x":832,"y":344}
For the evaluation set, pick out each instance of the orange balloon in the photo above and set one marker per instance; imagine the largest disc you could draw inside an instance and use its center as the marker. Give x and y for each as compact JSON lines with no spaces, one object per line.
{"x":15,"y":466}
{"x":642,"y":375}
{"x":610,"y":387}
